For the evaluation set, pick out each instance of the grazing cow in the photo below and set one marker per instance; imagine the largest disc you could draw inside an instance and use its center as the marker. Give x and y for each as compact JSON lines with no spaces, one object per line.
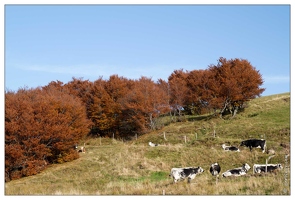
{"x":182,"y":173}
{"x":82,"y":150}
{"x":237,"y":171}
{"x":270,"y":168}
{"x":230,"y":148}
{"x":215,"y":169}
{"x":258,"y":143}
{"x":153,"y":145}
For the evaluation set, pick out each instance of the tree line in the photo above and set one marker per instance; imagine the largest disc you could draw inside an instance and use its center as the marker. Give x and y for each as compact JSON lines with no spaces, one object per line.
{"x":43,"y":124}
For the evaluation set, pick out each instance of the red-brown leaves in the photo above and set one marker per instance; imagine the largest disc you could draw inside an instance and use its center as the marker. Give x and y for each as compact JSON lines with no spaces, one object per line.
{"x":41,"y":125}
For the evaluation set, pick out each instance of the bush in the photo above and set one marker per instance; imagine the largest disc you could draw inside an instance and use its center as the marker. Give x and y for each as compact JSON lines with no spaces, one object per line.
{"x":41,"y":127}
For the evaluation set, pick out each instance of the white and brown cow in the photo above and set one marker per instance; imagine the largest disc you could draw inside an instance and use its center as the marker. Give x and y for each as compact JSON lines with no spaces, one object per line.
{"x":183,"y":173}
{"x":240,"y":171}
{"x":81,"y":150}
{"x":257,"y":168}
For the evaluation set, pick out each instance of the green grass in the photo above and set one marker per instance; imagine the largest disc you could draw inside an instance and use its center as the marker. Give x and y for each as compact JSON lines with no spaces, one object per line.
{"x":114,"y":167}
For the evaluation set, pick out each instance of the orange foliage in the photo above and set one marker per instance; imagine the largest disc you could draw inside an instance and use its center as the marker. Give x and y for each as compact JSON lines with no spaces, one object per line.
{"x":41,"y":126}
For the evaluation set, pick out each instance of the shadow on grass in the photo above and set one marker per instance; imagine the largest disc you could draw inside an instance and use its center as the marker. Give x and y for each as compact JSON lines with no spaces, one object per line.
{"x":200,"y":117}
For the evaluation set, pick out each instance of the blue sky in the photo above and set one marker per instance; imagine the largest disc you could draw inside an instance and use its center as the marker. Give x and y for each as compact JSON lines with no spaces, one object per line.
{"x":48,"y":43}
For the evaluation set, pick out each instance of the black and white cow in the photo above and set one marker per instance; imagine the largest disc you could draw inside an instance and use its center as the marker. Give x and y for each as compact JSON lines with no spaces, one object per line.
{"x":215,"y":169}
{"x":258,"y":143}
{"x":187,"y":172}
{"x":257,"y":168}
{"x":240,"y":171}
{"x":230,"y":148}
{"x":153,"y":145}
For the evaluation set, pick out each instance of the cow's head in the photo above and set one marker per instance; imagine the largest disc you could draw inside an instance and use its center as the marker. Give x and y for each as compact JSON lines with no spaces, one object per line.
{"x":243,"y":143}
{"x":280,"y":166}
{"x":246,"y":167}
{"x":200,"y":170}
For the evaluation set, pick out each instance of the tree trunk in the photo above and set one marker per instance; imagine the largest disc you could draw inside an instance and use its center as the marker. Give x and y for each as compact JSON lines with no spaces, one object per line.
{"x":235,"y":111}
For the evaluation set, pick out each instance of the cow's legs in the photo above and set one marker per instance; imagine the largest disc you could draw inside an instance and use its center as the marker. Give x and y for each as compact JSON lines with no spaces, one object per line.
{"x":189,"y":180}
{"x":263,"y":148}
{"x":174,"y":180}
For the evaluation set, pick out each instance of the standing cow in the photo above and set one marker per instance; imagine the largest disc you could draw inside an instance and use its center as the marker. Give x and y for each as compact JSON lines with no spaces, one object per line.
{"x":258,"y":143}
{"x":215,"y":169}
{"x":187,"y":172}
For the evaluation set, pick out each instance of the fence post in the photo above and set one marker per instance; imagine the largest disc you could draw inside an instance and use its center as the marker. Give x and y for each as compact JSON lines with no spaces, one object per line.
{"x":165,"y":136}
{"x":266,"y":162}
{"x":185,"y":139}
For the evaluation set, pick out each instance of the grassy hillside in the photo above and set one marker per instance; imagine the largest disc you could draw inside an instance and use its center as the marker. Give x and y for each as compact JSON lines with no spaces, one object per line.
{"x":115,"y":167}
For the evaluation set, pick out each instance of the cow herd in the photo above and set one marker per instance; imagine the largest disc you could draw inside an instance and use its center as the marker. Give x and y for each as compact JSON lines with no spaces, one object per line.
{"x":190,"y":172}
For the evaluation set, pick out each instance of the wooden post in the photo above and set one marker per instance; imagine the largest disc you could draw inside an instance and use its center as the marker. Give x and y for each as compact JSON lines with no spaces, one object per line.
{"x":196,"y":136}
{"x":185,"y":139}
{"x":266,"y":162}
{"x":165,"y":136}
{"x":163,"y":192}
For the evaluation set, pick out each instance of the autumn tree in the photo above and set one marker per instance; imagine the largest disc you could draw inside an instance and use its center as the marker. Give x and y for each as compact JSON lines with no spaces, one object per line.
{"x":155,"y":100}
{"x":81,"y":89}
{"x":236,"y":81}
{"x":178,"y":90}
{"x":200,"y":96}
{"x":102,"y":109}
{"x":117,"y":88}
{"x":41,"y":127}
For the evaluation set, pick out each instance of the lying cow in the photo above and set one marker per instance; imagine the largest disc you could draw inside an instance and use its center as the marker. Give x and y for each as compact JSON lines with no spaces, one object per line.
{"x":230,"y":148}
{"x":153,"y":145}
{"x":182,"y":173}
{"x":258,"y":143}
{"x":237,"y":171}
{"x":215,"y":169}
{"x":257,"y":168}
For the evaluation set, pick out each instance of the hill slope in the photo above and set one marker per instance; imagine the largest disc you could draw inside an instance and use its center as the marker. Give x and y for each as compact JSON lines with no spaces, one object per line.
{"x":116,"y":167}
